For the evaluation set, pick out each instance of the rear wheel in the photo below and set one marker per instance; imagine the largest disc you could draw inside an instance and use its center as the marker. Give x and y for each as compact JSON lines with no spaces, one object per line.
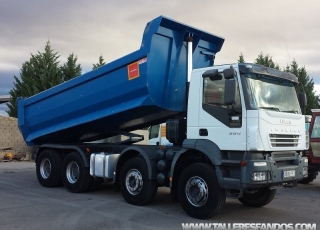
{"x":75,"y":176}
{"x":199,"y":192}
{"x":261,"y":197}
{"x":135,"y":186}
{"x":48,"y":168}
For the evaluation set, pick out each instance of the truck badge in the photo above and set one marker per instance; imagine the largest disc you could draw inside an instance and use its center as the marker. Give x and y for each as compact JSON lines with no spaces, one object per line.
{"x":285,"y":121}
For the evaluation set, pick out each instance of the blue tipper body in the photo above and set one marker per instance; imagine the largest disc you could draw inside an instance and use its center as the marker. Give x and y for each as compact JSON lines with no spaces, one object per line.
{"x":140,"y":89}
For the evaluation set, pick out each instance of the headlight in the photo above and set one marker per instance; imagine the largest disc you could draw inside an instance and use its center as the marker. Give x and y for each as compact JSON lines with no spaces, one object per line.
{"x":259,"y":176}
{"x":305,"y":171}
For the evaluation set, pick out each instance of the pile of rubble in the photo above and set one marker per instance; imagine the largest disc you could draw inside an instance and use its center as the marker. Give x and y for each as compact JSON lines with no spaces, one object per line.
{"x":12,"y":144}
{"x":9,"y":154}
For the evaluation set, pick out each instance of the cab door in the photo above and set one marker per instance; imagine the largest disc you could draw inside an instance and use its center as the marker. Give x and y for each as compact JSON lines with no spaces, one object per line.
{"x":223,"y":124}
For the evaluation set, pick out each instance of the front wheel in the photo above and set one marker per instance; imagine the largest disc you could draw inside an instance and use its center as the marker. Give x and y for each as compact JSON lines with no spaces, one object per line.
{"x":75,"y":176}
{"x":261,"y":197}
{"x":48,"y":168}
{"x":135,"y":186}
{"x":307,"y":180}
{"x":199,"y":192}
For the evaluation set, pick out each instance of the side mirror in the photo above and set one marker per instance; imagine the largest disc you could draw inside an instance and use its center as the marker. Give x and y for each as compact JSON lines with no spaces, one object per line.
{"x":229,"y":73}
{"x":230,"y":92}
{"x":213,"y":74}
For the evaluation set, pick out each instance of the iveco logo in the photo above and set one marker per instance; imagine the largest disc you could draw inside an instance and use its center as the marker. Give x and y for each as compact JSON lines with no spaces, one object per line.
{"x":285,"y":121}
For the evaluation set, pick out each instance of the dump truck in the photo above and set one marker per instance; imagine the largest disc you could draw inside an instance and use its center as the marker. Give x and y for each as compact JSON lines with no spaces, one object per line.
{"x":313,"y":153}
{"x":236,"y":130}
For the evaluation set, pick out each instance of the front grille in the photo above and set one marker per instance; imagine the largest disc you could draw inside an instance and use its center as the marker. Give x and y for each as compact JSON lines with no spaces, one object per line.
{"x":276,"y":155}
{"x":284,"y":159}
{"x":284,"y":140}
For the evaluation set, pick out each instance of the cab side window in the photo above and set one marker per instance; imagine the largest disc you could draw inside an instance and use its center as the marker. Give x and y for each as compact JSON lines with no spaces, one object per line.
{"x":213,"y":92}
{"x":316,"y":128}
{"x":154,"y":131}
{"x":214,"y":102}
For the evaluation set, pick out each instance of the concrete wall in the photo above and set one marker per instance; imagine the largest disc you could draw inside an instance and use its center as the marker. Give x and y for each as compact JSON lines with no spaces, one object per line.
{"x":11,"y":140}
{"x":10,"y":137}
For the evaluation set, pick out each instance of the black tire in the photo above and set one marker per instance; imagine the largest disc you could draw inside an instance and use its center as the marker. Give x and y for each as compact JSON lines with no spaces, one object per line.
{"x":261,"y":198}
{"x":48,"y":168}
{"x":200,"y":179}
{"x":75,"y":176}
{"x":308,"y":179}
{"x":135,"y":186}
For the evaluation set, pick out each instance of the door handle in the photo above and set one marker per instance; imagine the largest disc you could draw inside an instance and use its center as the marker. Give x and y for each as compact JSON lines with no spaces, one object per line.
{"x":203,"y":132}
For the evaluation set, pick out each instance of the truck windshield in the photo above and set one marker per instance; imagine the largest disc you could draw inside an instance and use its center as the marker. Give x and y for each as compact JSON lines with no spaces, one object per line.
{"x":270,"y":93}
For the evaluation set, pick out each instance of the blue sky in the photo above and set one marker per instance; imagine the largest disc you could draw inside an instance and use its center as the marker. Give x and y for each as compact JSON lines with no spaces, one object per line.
{"x":284,"y":29}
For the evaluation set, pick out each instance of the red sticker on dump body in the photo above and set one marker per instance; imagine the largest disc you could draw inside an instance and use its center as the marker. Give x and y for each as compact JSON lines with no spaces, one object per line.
{"x":133,"y":71}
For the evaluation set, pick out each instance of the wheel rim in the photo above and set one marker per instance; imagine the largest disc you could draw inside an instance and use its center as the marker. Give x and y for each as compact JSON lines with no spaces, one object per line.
{"x":134,"y":181}
{"x":73,"y":172}
{"x":197,"y":191}
{"x":45,"y":168}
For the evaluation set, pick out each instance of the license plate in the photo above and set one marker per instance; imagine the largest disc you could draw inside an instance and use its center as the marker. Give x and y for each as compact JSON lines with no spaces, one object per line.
{"x":289,"y":173}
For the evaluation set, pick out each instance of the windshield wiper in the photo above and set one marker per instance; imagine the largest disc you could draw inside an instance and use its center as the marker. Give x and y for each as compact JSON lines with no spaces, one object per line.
{"x":291,"y":111}
{"x":272,"y":108}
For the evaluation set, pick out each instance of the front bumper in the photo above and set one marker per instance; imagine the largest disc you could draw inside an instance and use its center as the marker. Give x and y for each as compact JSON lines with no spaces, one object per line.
{"x":279,"y":169}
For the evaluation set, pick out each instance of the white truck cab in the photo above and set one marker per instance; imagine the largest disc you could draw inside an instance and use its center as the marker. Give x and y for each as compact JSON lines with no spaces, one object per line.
{"x":265,"y":114}
{"x":157,"y":135}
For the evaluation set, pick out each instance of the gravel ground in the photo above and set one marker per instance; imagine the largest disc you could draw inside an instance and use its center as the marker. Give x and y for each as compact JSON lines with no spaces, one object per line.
{"x":24,"y":204}
{"x":17,"y":166}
